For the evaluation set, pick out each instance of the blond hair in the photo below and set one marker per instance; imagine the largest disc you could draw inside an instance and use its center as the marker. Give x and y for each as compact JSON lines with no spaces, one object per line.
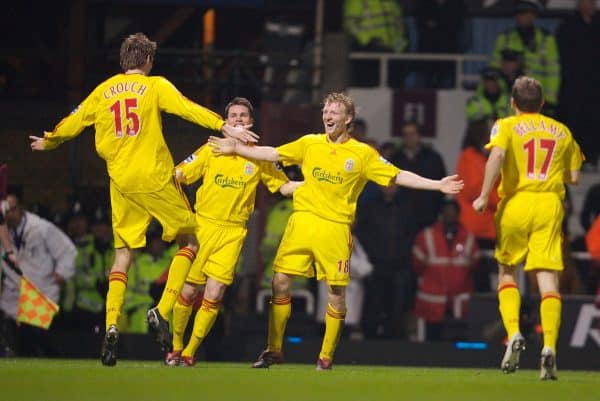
{"x":338,"y":97}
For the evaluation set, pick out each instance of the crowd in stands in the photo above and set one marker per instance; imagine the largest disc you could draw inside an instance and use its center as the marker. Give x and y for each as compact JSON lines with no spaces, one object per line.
{"x":418,"y":256}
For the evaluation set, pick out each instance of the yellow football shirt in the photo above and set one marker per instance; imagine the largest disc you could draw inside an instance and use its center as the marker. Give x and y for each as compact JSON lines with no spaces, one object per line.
{"x":334,"y":174}
{"x":126,"y":113}
{"x":539,"y":150}
{"x":228,"y":191}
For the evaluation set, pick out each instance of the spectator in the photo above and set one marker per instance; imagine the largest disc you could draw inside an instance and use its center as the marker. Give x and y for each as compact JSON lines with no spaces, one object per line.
{"x":360,"y":268}
{"x":470,"y":166}
{"x":47,"y":257}
{"x":444,"y":257}
{"x":491,"y":100}
{"x":375,"y":26}
{"x":592,"y":239}
{"x":440,"y":25}
{"x":385,"y":227}
{"x":360,"y":130}
{"x":511,"y":66}
{"x":415,"y":156}
{"x":82,"y":303}
{"x":539,"y":49}
{"x":5,"y":245}
{"x":591,"y":207}
{"x":578,"y":39}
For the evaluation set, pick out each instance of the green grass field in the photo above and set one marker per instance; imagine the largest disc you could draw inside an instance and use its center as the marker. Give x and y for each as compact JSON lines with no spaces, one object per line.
{"x":85,"y":380}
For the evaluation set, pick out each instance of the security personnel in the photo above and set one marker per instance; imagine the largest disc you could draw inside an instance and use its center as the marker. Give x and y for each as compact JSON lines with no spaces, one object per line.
{"x":375,"y":25}
{"x":491,"y":100}
{"x":539,"y":48}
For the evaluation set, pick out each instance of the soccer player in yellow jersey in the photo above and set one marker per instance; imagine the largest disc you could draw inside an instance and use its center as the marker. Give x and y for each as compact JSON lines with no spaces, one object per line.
{"x":535,"y":156}
{"x":224,"y":203}
{"x":336,"y":168}
{"x":125,"y":111}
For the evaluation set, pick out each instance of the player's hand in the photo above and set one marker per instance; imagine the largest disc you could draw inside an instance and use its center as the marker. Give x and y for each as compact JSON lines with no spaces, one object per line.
{"x":451,"y":184}
{"x":11,"y":258}
{"x":222,"y":146}
{"x":58,"y":279}
{"x":178,"y":174}
{"x":240,"y":132}
{"x":37,"y":143}
{"x":480,"y":204}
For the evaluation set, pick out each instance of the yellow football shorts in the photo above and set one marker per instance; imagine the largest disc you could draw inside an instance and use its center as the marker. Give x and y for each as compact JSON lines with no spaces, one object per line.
{"x":220,"y":247}
{"x":530,"y":226}
{"x":132,"y":213}
{"x":312,"y":244}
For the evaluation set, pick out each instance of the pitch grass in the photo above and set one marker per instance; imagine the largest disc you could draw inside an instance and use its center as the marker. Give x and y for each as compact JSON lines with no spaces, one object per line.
{"x":85,"y":380}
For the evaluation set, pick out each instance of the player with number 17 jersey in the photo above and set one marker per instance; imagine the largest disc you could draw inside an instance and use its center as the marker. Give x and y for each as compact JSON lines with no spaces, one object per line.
{"x":126,"y":112}
{"x":538,"y":152}
{"x":538,"y":149}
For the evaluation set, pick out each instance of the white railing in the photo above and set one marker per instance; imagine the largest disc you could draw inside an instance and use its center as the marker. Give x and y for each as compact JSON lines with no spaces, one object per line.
{"x":459,"y":60}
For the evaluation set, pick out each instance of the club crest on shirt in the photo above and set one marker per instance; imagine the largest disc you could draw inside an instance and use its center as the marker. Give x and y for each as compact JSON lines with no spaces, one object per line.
{"x":249,"y":168}
{"x":190,"y":158}
{"x":349,"y":165}
{"x":494,"y":131}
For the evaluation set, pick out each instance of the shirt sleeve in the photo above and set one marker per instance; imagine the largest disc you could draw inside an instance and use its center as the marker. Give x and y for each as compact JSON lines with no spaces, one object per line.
{"x":378,"y":169}
{"x":173,"y":102}
{"x":69,"y":127}
{"x":293,"y":152}
{"x":272,"y":176}
{"x":574,"y":156}
{"x":194,"y":166}
{"x":499,"y":136}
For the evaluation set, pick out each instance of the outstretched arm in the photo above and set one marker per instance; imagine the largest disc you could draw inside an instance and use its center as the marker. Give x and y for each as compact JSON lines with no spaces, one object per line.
{"x":241,"y":133}
{"x":448,"y":185}
{"x":229,"y":146}
{"x":289,"y":187}
{"x":492,"y":171}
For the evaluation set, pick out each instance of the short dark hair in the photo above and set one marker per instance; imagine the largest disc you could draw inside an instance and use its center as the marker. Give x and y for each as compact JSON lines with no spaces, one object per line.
{"x":240,"y":101}
{"x":411,"y":123}
{"x":135,"y":51}
{"x":528,"y":94}
{"x":477,"y":130}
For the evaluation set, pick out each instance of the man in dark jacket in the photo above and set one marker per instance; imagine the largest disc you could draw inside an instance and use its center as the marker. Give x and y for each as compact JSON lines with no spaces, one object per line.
{"x":416,"y":156}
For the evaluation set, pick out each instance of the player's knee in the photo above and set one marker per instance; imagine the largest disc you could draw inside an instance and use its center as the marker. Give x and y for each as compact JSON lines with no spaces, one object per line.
{"x":281,"y":284}
{"x":193,"y":246}
{"x":337,"y":298}
{"x":190,"y":291}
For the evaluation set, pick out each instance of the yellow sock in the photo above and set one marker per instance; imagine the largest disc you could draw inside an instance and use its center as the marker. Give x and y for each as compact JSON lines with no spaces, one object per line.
{"x":509,"y":300}
{"x":334,"y":323}
{"x":117,"y":284}
{"x":178,"y":271}
{"x":550,"y":310}
{"x":205,"y":318}
{"x":281,"y":309}
{"x":181,"y":315}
